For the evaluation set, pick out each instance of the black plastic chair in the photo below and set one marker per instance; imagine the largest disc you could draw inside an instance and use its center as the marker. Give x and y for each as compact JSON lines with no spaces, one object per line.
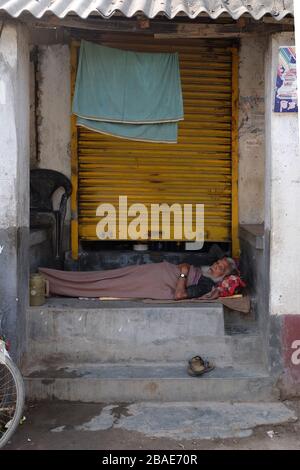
{"x":43,"y":184}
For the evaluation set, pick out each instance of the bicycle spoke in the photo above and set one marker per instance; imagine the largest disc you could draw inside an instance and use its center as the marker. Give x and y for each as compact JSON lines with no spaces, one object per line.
{"x":11,"y":400}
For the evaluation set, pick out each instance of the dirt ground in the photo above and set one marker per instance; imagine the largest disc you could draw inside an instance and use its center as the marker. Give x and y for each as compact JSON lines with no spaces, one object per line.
{"x":36,"y":433}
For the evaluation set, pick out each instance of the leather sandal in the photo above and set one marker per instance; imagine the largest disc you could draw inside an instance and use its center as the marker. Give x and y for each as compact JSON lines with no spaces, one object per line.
{"x":199,"y":366}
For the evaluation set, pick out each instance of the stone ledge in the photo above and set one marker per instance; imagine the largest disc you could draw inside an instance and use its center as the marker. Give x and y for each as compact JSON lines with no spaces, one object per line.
{"x":253,"y":234}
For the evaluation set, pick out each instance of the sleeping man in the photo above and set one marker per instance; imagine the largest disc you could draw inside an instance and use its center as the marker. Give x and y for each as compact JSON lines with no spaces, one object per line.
{"x":160,"y":281}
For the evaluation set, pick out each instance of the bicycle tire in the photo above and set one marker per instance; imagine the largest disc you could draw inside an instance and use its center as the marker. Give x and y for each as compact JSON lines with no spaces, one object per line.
{"x":20,"y":400}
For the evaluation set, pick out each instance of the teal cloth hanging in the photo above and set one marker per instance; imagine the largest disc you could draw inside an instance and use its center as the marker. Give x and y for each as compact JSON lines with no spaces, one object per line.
{"x":128,"y":94}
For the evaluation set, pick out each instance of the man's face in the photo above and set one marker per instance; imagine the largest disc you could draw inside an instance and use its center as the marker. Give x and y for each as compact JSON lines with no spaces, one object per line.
{"x":220,"y":267}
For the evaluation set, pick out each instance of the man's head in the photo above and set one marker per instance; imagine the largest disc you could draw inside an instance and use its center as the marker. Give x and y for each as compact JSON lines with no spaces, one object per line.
{"x":221,"y":268}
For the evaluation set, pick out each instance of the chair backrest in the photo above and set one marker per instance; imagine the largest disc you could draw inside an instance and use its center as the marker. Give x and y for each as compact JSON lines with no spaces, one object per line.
{"x":43,"y":184}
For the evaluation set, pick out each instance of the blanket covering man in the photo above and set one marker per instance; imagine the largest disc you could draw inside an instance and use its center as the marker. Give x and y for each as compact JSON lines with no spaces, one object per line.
{"x":161,"y":281}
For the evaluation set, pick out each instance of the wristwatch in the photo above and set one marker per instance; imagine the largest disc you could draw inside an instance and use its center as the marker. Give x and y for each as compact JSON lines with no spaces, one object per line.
{"x":184,"y":276}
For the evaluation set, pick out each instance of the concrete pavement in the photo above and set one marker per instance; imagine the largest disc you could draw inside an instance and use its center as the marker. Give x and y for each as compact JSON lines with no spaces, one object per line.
{"x":166,"y":426}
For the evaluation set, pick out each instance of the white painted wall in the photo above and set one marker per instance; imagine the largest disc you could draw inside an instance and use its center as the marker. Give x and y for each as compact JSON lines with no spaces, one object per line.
{"x":251,"y":130}
{"x":14,"y":182}
{"x":54,"y":108}
{"x":8,"y":134}
{"x":14,"y":125}
{"x":297,"y":37}
{"x":282,"y":193}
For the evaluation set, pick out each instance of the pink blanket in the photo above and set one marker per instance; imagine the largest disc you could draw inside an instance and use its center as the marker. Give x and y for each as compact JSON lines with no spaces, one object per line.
{"x":145,"y":281}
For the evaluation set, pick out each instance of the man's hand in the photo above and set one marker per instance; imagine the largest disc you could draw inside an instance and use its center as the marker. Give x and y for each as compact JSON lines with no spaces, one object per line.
{"x":184,"y":268}
{"x":180,"y":291}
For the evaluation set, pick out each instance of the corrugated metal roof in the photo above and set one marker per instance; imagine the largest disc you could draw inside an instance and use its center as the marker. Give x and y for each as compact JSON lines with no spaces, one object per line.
{"x":150,"y":8}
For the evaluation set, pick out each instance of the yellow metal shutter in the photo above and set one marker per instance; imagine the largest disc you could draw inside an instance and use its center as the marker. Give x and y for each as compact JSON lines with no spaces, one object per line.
{"x":198,"y":169}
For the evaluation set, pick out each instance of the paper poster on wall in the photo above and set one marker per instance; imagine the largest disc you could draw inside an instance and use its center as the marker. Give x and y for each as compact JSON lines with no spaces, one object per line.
{"x":286,"y":98}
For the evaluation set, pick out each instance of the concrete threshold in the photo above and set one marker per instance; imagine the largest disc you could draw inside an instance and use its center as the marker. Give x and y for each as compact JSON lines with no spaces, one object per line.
{"x":110,"y":383}
{"x":95,"y":303}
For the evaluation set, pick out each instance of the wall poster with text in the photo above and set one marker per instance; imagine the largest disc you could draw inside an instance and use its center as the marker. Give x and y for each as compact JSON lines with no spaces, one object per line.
{"x":286,"y":98}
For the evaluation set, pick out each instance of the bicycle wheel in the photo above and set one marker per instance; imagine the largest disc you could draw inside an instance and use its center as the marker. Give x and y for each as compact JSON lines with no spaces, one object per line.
{"x":12,"y":397}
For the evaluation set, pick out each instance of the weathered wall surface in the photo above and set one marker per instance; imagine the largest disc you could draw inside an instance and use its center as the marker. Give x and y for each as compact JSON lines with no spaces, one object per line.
{"x":290,"y":380}
{"x":251,"y":130}
{"x":282,"y":193}
{"x":33,"y":143}
{"x":14,"y":182}
{"x":54,"y":108}
{"x":283,"y":228}
{"x":52,"y":148}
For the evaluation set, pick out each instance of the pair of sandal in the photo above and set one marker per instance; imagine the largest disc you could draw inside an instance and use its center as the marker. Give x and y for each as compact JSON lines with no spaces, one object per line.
{"x":198,"y":366}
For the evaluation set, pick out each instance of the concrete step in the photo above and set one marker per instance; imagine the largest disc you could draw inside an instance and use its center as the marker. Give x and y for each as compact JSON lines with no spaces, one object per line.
{"x":124,"y":332}
{"x":71,"y":330}
{"x":111,"y":383}
{"x":224,"y":351}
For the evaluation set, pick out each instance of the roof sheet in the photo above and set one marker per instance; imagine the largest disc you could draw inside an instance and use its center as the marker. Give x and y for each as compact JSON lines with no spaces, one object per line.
{"x":150,"y":8}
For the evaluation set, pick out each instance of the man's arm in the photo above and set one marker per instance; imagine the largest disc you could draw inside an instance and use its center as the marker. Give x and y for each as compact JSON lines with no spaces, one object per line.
{"x":212,"y":295}
{"x":180,"y":291}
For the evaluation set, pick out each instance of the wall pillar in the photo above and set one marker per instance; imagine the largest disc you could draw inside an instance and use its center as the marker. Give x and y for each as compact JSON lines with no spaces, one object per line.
{"x":282,"y":221}
{"x":251,"y":130}
{"x":14,"y":183}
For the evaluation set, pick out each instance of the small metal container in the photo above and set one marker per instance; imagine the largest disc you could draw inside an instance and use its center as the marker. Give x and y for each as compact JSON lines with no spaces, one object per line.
{"x":39,"y":290}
